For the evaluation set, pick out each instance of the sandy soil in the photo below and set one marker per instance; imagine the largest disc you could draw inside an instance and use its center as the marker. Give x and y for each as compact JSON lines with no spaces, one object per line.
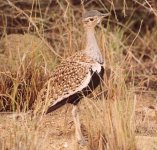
{"x":56,"y":130}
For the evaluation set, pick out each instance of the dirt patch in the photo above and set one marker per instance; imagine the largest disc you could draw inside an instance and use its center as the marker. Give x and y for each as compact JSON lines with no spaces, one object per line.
{"x":146,"y":115}
{"x":56,"y":130}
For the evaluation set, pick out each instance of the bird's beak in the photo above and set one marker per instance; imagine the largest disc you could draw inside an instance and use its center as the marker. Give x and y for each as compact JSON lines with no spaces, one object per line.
{"x":105,"y":15}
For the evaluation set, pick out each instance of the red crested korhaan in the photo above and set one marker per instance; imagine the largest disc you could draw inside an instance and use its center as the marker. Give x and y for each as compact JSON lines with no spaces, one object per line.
{"x":78,"y":75}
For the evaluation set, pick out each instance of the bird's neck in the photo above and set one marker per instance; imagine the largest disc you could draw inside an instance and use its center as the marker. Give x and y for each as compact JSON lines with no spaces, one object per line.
{"x":92,"y":48}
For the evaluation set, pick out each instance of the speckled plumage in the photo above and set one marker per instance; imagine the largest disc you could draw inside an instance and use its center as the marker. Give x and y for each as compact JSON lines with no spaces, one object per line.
{"x":70,"y":76}
{"x":76,"y":76}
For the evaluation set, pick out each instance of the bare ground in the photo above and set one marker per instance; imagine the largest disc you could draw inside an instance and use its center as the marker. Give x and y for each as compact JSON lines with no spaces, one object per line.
{"x":56,"y":130}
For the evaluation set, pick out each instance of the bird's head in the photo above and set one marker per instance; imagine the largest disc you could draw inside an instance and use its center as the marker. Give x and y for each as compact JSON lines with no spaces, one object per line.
{"x":91,"y":18}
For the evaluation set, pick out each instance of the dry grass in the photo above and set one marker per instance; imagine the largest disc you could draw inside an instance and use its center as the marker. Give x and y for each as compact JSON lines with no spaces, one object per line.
{"x":112,"y":112}
{"x":109,"y":119}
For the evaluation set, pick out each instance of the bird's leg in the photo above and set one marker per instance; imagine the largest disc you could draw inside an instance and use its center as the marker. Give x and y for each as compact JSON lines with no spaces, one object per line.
{"x":78,"y":133}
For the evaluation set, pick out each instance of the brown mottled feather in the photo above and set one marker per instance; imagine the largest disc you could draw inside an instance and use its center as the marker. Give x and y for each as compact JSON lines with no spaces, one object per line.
{"x":66,"y":78}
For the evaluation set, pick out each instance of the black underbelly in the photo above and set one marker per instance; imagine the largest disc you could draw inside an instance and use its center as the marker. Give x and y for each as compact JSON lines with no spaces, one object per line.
{"x":76,"y":97}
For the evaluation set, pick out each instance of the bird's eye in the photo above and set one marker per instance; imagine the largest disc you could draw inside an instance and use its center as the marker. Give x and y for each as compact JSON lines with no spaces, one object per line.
{"x":91,"y":19}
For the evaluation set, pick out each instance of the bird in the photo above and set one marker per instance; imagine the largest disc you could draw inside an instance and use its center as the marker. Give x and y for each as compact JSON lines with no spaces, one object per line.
{"x":76,"y":76}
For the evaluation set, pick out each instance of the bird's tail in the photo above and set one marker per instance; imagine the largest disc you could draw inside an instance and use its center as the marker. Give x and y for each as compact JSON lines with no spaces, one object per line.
{"x":56,"y":106}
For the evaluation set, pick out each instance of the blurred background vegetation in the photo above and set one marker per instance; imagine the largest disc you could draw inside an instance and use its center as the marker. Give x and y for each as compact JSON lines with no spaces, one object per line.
{"x":35,"y":35}
{"x":38,"y":33}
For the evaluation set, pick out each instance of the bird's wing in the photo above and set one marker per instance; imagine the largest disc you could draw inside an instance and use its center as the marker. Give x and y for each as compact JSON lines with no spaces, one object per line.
{"x":71,"y":76}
